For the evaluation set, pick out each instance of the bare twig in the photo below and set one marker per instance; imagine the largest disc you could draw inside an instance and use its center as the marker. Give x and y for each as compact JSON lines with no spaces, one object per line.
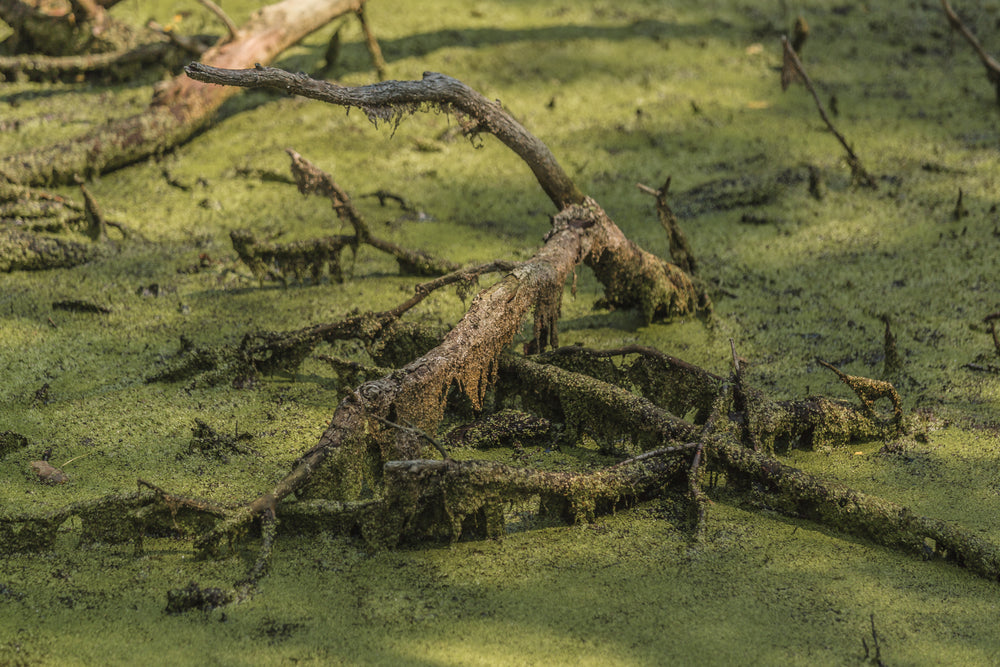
{"x":418,"y":433}
{"x":990,"y":320}
{"x":268,"y":533}
{"x":793,"y":69}
{"x":310,"y":179}
{"x":373,"y":48}
{"x":870,"y":391}
{"x":231,"y":28}
{"x":991,"y":65}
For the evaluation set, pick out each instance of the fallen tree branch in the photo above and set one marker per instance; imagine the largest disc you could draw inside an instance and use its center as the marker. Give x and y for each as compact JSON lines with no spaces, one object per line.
{"x":832,"y":504}
{"x":680,"y":249}
{"x":631,"y":276}
{"x":42,"y":68}
{"x":179,"y":108}
{"x":310,"y":179}
{"x":390,"y":100}
{"x":57,"y":29}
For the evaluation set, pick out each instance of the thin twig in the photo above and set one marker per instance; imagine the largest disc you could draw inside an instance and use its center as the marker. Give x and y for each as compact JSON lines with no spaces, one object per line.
{"x":660,"y":451}
{"x":412,"y":430}
{"x":373,"y":48}
{"x":268,"y":532}
{"x":680,"y":249}
{"x":991,"y":65}
{"x":791,"y":61}
{"x":231,"y":28}
{"x":991,"y":321}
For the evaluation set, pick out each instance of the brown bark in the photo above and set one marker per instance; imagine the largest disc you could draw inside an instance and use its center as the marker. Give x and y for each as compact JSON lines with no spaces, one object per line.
{"x":181,"y":107}
{"x":468,"y":359}
{"x":389,"y":101}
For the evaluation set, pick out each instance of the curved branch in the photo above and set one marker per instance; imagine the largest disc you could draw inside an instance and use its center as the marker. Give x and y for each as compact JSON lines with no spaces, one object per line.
{"x":389,"y":100}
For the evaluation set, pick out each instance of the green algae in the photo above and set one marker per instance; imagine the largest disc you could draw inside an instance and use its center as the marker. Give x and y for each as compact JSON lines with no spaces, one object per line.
{"x":812,"y":281}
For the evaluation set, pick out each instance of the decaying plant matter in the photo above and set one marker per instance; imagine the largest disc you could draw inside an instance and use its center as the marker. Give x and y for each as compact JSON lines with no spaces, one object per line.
{"x":78,"y":41}
{"x":659,"y":423}
{"x":40,"y":230}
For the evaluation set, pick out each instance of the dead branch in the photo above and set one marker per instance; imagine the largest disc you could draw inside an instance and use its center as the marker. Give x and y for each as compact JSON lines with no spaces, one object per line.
{"x":374,"y":50}
{"x":680,"y":249}
{"x":668,"y":382}
{"x":991,"y":65}
{"x":269,"y":352}
{"x":220,"y":13}
{"x":390,"y":100}
{"x":310,"y":179}
{"x":42,"y":68}
{"x":430,"y":499}
{"x":26,"y":251}
{"x":792,"y":70}
{"x":614,"y":417}
{"x":870,"y":392}
{"x":280,"y":261}
{"x":58,"y":30}
{"x":181,"y":107}
{"x":35,"y":229}
{"x":631,"y":276}
{"x":796,"y":493}
{"x":990,"y":321}
{"x":505,"y":428}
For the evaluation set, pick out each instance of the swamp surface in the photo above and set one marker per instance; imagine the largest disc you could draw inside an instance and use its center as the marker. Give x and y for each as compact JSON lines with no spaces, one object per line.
{"x":622,"y":92}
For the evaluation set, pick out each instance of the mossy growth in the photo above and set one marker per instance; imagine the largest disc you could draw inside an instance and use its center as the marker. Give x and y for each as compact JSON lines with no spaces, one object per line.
{"x":792,"y":277}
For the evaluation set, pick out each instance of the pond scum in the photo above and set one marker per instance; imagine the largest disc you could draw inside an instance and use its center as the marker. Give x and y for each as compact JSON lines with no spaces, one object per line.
{"x":653,"y":497}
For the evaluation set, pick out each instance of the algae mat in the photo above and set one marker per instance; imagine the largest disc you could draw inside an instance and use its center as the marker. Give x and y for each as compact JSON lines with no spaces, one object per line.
{"x":622,"y":92}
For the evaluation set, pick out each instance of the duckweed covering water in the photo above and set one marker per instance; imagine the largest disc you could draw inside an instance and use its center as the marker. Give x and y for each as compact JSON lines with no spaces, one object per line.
{"x":621,"y":92}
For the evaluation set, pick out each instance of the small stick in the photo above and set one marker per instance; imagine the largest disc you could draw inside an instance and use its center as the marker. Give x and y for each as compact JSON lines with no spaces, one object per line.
{"x":697,"y":495}
{"x":222,"y":16}
{"x":407,"y":428}
{"x":268,"y":531}
{"x":991,"y":65}
{"x":791,"y":70}
{"x":680,"y":249}
{"x":75,"y":458}
{"x":991,"y":321}
{"x":373,"y":48}
{"x":658,"y":452}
